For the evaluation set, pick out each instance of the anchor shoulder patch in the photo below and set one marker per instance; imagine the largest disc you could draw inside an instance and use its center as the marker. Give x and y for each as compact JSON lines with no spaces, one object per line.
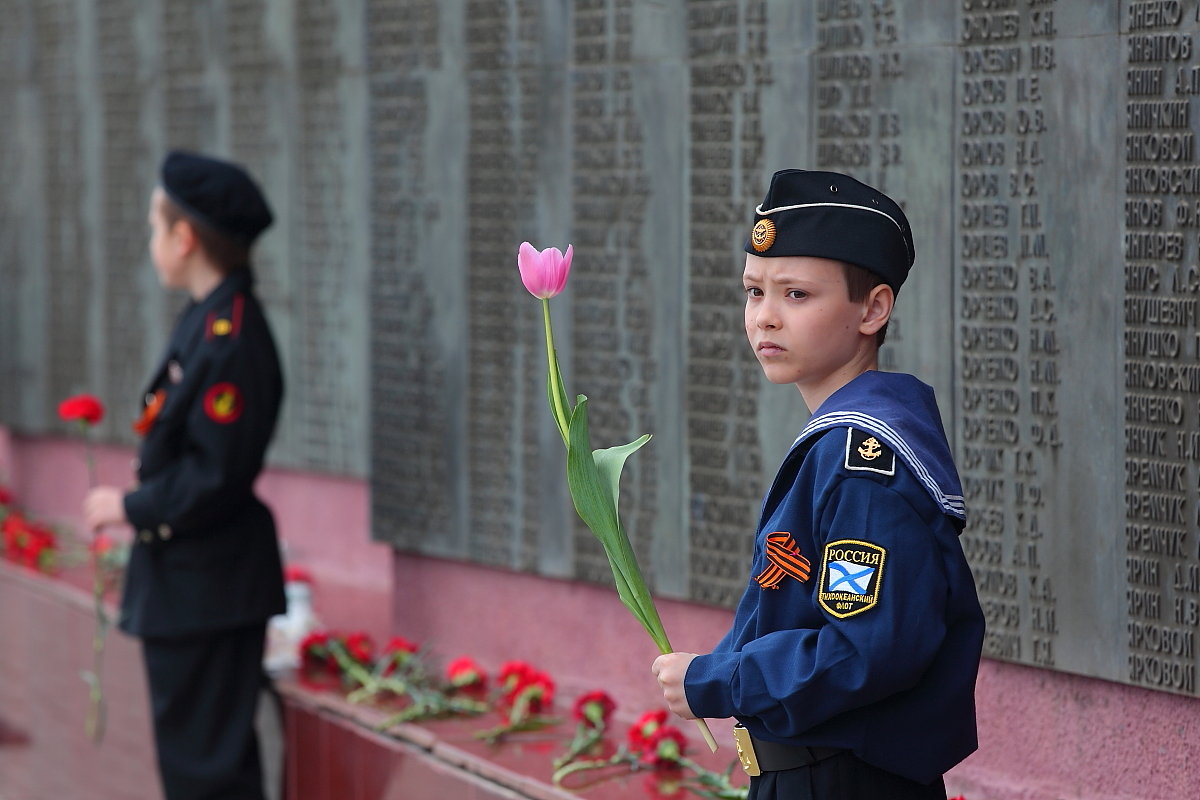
{"x":865,"y":452}
{"x":851,"y":574}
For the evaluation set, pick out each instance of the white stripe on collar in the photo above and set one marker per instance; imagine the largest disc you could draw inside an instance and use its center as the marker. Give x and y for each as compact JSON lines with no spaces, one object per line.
{"x":953,"y":503}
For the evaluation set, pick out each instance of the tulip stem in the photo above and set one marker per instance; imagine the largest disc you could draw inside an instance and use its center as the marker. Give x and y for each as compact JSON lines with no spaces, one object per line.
{"x":557,"y":391}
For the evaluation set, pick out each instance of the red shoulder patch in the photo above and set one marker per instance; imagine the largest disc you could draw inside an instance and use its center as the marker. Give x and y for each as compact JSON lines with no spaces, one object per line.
{"x":223,"y":403}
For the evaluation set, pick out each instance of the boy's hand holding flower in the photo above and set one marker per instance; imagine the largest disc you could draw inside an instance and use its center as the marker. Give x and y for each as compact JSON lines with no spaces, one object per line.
{"x":102,"y":506}
{"x":670,"y":669}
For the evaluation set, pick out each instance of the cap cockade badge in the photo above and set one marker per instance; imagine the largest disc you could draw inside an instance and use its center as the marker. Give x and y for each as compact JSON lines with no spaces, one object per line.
{"x":762,"y":236}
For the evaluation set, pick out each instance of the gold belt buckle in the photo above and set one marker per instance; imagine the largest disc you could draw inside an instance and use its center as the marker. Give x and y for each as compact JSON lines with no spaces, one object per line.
{"x":745,"y":751}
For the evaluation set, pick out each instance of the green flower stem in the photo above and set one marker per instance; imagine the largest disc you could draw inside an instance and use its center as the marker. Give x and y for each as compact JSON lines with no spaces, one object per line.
{"x":715,"y":785}
{"x":525,"y":724}
{"x":425,"y":702}
{"x":90,"y":457}
{"x":97,"y":709}
{"x":97,"y":715}
{"x":432,"y":705}
{"x":622,"y":756}
{"x":355,"y":671}
{"x":559,"y":405}
{"x":586,"y":737}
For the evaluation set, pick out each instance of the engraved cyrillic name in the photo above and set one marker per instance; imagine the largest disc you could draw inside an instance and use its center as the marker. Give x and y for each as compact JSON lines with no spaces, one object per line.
{"x":612,"y":325}
{"x":56,"y":28}
{"x":500,"y":409}
{"x":1007,"y":306}
{"x":124,"y":209}
{"x":858,"y":65}
{"x":1161,"y":360}
{"x":412,"y":481}
{"x":727,"y":49}
{"x":324,"y":233}
{"x":858,"y":55}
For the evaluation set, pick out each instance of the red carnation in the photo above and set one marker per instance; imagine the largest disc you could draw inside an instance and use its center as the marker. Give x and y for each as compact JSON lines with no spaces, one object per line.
{"x":540,"y":691}
{"x":5,"y":496}
{"x":641,"y":731}
{"x":360,"y":646}
{"x":84,"y":407}
{"x":534,"y":689}
{"x":27,"y":543}
{"x":594,"y":709}
{"x":526,"y":690}
{"x":513,"y":673}
{"x":398,"y":644}
{"x":398,"y":652}
{"x":13,"y":529}
{"x":38,"y":549}
{"x":316,"y":659}
{"x":464,"y":673}
{"x":665,"y":747}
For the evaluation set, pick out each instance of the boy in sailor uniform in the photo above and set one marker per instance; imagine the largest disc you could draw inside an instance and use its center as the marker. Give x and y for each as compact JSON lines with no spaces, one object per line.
{"x":851,"y":661}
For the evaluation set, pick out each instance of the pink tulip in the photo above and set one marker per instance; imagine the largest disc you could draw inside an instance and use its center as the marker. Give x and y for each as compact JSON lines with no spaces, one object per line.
{"x":544,"y":274}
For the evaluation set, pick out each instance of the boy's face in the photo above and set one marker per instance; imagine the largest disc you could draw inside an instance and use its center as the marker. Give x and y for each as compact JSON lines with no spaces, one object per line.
{"x":802,"y":325}
{"x":164,"y":245}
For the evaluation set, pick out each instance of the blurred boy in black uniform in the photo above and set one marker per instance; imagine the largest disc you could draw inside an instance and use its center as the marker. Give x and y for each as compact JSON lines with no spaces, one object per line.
{"x":204,"y":572}
{"x":851,"y":661}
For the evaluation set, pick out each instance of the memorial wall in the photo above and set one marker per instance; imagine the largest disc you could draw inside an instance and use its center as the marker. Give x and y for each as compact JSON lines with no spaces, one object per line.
{"x":1044,"y":152}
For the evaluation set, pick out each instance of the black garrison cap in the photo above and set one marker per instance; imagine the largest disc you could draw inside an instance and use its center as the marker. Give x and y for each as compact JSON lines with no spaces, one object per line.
{"x":216,"y":193}
{"x":830,"y":215}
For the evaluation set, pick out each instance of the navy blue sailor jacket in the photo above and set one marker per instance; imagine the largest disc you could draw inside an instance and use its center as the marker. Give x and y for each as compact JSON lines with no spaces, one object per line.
{"x":860,"y":627}
{"x":205,"y":554}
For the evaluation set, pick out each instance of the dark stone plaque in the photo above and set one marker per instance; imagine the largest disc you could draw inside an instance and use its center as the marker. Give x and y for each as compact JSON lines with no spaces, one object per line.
{"x":1158,"y":190}
{"x":416,"y":395}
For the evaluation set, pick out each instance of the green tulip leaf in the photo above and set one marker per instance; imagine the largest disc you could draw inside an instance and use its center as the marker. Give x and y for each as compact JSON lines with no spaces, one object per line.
{"x":594,"y":479}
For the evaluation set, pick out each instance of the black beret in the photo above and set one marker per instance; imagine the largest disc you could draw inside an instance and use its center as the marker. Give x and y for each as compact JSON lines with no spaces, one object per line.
{"x":830,"y":215}
{"x":216,"y":193}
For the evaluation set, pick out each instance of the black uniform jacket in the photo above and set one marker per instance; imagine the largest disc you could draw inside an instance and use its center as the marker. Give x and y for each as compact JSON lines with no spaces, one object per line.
{"x":205,"y":555}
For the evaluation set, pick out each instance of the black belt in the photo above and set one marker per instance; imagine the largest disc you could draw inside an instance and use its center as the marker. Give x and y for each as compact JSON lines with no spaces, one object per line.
{"x":758,"y":756}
